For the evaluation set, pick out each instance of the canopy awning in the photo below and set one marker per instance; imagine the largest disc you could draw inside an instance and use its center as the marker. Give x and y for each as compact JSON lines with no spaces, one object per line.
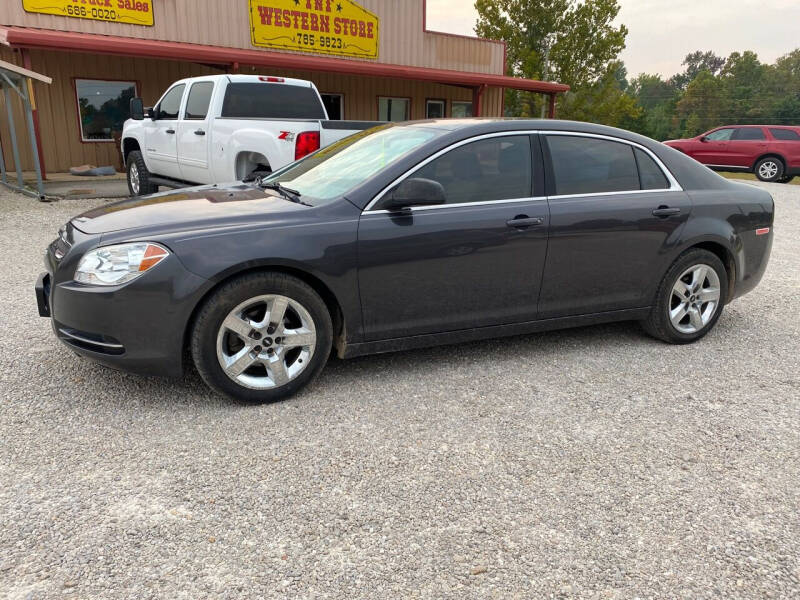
{"x":25,"y":37}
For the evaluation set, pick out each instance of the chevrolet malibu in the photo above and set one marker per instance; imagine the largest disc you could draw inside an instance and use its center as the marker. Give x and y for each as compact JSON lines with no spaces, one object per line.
{"x":404,"y":236}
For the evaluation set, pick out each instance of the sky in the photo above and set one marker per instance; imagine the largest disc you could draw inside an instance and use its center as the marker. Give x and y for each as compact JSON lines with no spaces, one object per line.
{"x":662,"y":32}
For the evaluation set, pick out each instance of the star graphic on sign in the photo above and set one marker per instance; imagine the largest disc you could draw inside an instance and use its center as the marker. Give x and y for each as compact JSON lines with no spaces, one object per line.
{"x":338,"y":8}
{"x":297,"y":2}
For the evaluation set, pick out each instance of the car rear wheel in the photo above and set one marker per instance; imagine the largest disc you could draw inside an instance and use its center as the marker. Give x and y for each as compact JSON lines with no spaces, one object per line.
{"x":138,"y":176}
{"x":262,"y":337}
{"x":690,"y":298}
{"x":769,"y":169}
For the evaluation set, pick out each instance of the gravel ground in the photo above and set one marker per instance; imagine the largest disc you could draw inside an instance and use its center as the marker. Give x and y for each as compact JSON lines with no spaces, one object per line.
{"x":589,"y":463}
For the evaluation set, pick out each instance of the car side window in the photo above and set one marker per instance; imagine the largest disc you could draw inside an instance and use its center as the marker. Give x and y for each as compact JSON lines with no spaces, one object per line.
{"x":497,"y":168}
{"x":749,"y":133}
{"x":170,"y":104}
{"x":584,"y":165}
{"x":785,"y":134}
{"x":198,"y":101}
{"x":720,"y":135}
{"x":650,"y":174}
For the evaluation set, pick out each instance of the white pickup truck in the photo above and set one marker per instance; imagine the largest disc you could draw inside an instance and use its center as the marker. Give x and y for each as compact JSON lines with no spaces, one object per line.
{"x":225,"y":128}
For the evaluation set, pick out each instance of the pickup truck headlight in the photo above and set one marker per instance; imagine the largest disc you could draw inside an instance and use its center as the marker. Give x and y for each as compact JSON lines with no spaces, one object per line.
{"x":115,"y":265}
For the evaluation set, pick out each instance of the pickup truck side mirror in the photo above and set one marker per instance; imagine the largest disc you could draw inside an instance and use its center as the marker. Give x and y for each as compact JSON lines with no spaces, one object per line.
{"x":415,"y":192}
{"x":137,"y":109}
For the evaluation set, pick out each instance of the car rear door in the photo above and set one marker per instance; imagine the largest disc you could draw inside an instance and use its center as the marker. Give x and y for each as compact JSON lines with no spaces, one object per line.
{"x":615,"y":214}
{"x":475,"y":261}
{"x":746,"y":145}
{"x":160,"y":135}
{"x":193,"y":133}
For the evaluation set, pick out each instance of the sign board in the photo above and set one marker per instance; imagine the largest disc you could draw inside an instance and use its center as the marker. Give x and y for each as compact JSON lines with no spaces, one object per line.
{"x":134,"y":12}
{"x":338,"y":27}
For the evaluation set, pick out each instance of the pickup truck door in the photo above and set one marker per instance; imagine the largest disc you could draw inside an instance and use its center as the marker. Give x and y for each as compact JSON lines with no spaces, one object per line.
{"x":194,"y":133}
{"x":160,"y":134}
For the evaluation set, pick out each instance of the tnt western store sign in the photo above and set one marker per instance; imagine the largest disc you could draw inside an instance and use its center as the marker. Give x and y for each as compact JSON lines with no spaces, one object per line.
{"x":372,"y":60}
{"x":338,"y":27}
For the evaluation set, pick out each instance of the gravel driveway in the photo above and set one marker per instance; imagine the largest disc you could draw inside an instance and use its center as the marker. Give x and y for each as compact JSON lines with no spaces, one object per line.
{"x":589,"y":463}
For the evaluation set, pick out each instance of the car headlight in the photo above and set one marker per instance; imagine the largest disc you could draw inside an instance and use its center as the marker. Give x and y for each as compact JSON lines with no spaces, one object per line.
{"x":115,"y":265}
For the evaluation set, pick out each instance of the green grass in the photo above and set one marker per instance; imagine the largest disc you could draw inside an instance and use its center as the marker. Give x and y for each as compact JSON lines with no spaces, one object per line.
{"x":750,"y":176}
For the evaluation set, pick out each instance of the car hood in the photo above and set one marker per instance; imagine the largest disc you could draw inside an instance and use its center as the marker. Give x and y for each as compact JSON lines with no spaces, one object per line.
{"x":190,"y":208}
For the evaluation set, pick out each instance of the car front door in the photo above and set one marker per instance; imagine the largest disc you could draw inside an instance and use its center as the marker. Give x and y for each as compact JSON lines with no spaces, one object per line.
{"x":712,"y":149}
{"x":746,"y":145}
{"x":161,"y":138}
{"x":474,"y":261}
{"x":614,"y":215}
{"x":193,"y":134}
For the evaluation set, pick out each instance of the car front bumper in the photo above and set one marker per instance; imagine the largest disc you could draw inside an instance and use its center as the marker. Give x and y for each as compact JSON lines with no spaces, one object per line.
{"x":138,"y":327}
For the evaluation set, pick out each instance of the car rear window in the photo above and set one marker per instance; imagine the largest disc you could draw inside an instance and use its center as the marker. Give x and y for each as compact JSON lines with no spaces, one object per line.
{"x":785,"y":134}
{"x":749,"y":133}
{"x":584,"y":165}
{"x":271,"y":101}
{"x":650,"y":174}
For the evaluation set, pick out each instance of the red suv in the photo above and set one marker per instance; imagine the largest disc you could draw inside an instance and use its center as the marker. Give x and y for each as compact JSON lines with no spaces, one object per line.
{"x":772,"y":152}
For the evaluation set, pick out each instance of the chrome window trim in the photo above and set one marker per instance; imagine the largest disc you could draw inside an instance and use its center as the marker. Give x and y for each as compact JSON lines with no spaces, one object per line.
{"x":433,"y":157}
{"x":674,"y":185}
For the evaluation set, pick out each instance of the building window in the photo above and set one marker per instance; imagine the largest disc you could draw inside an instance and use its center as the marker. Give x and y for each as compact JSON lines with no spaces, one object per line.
{"x":461,"y":110}
{"x":393,"y":109}
{"x":434,"y":109}
{"x":334,"y":105}
{"x":103,"y":107}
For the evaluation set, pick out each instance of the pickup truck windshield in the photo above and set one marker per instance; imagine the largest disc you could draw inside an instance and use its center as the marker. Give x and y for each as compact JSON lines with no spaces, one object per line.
{"x":271,"y":101}
{"x":333,"y":171}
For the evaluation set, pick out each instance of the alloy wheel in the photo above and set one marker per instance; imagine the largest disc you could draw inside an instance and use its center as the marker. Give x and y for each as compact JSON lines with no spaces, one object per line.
{"x":694,"y":299}
{"x":768,"y":169}
{"x":266,"y":342}
{"x":133,"y":175}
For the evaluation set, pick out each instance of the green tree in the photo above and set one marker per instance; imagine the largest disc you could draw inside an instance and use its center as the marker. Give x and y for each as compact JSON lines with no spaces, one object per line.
{"x":704,"y":104}
{"x":572,"y":42}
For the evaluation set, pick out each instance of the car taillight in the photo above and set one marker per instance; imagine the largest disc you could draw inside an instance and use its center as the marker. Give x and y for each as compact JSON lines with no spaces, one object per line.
{"x":307,"y":142}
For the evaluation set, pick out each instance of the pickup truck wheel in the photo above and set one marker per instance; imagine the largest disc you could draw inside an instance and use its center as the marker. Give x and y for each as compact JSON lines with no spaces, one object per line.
{"x":262,"y":337}
{"x":138,"y":176}
{"x":769,"y":169}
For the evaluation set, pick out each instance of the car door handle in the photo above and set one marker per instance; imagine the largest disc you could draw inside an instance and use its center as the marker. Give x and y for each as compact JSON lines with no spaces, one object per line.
{"x":199,"y":132}
{"x":524,"y":221}
{"x":170,"y":131}
{"x":666,"y":211}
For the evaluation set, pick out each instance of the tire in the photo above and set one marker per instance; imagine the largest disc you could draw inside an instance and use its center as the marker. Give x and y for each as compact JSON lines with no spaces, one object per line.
{"x":262,"y":366}
{"x":769,"y":168}
{"x":138,"y":176}
{"x":786,"y":179}
{"x":686,"y":268}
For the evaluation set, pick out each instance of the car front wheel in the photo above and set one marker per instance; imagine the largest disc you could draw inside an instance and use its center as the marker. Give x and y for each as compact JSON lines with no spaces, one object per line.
{"x":262,"y":337}
{"x":690,"y":298}
{"x":769,"y":169}
{"x":138,"y":176}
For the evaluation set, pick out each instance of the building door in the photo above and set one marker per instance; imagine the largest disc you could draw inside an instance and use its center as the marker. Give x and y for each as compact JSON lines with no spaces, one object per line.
{"x":161,"y":134}
{"x":475,"y":261}
{"x":193,"y":134}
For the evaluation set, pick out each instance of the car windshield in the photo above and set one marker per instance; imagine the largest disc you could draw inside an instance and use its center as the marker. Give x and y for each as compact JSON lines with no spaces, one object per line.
{"x":335,"y":170}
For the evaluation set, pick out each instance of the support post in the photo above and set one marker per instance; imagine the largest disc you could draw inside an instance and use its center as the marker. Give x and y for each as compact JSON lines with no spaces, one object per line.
{"x":3,"y":177}
{"x":13,"y":131}
{"x":551,"y":112}
{"x":28,"y":102}
{"x":477,"y":98}
{"x":26,"y":62}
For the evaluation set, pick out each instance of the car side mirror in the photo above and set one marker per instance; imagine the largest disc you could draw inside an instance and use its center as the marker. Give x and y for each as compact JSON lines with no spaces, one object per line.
{"x":704,"y":139}
{"x":415,"y":192}
{"x":137,"y":109}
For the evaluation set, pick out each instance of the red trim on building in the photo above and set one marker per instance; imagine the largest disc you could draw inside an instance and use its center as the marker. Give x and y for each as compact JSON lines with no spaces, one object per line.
{"x":24,"y":37}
